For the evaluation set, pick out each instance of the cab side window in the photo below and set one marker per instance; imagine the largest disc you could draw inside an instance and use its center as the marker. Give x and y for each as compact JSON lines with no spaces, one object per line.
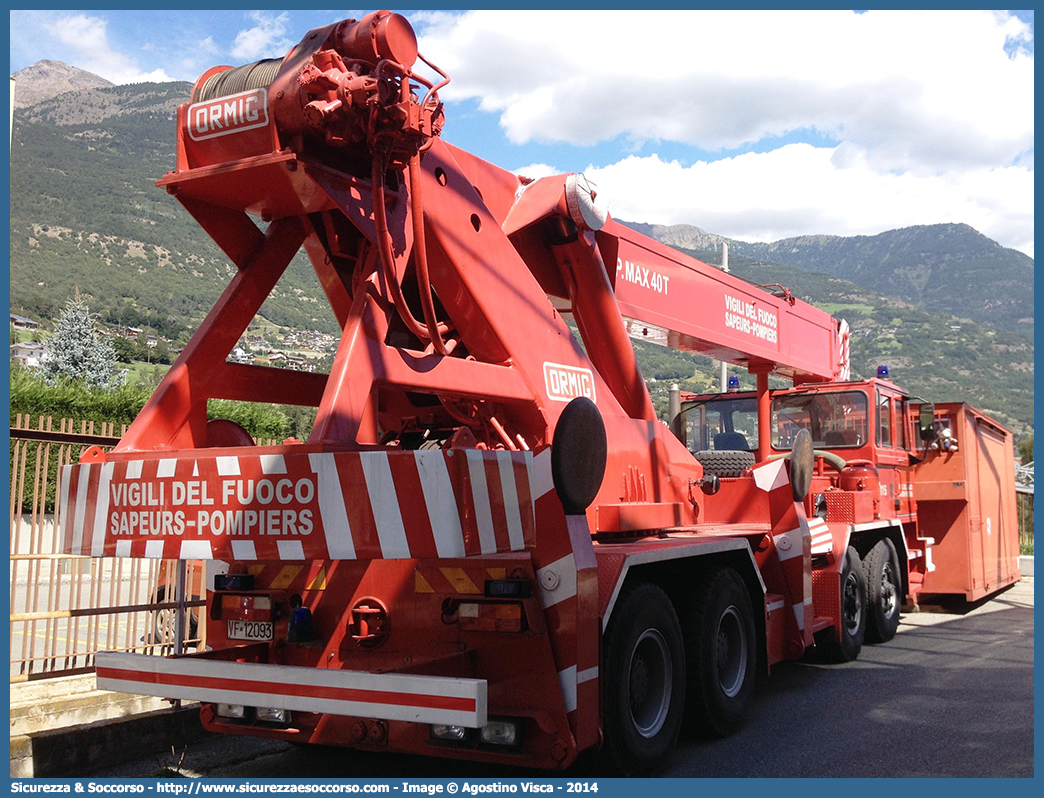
{"x":884,"y":420}
{"x":900,"y":424}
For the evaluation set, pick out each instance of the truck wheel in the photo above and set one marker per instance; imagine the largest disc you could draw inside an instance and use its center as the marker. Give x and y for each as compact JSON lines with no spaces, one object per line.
{"x":725,"y":463}
{"x":165,"y":622}
{"x":853,"y":613}
{"x":721,"y":654}
{"x":884,"y":592}
{"x":644,"y":686}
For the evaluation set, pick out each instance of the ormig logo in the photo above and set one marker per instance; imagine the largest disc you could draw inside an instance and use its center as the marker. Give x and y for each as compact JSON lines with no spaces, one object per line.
{"x":232,"y":114}
{"x":565,"y":383}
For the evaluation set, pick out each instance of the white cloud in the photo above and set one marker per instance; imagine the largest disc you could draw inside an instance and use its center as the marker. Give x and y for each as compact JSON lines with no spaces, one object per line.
{"x":537,"y":171}
{"x":207,"y":46}
{"x":912,"y":90}
{"x":800,"y":189}
{"x":934,"y":118}
{"x":87,"y":41}
{"x":264,"y":40}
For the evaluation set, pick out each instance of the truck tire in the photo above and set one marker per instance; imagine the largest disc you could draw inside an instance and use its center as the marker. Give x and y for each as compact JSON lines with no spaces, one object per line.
{"x":884,"y":589}
{"x":721,"y":654}
{"x":853,"y":613}
{"x":725,"y":462}
{"x":644,"y":687}
{"x":164,"y":622}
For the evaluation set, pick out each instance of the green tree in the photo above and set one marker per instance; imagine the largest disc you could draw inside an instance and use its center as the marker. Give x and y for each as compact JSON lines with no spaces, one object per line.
{"x":1026,"y":450}
{"x":264,"y":421}
{"x":125,"y":350}
{"x":144,"y":350}
{"x":161,"y":352}
{"x":301,"y":420}
{"x":76,"y":352}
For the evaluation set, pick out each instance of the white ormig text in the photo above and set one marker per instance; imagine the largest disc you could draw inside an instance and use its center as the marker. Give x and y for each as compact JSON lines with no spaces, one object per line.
{"x":231,"y":114}
{"x":565,"y":383}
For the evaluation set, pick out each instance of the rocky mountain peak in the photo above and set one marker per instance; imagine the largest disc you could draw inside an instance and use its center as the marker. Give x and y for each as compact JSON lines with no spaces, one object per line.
{"x":46,"y":79}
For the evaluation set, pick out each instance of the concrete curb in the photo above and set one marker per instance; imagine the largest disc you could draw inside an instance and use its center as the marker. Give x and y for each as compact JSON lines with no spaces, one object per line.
{"x":90,"y":746}
{"x":1026,"y":565}
{"x":51,"y":713}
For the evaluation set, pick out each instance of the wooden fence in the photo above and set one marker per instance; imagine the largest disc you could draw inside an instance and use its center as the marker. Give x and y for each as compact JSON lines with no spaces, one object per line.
{"x":64,"y":608}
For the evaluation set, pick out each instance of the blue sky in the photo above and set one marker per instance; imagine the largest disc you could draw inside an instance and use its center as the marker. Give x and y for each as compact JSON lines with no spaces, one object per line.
{"x":756,"y":125}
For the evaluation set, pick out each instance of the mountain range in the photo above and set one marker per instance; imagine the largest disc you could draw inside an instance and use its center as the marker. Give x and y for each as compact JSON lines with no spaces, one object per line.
{"x":944,"y":268}
{"x":89,"y":216}
{"x":948,"y":308}
{"x":46,"y":79}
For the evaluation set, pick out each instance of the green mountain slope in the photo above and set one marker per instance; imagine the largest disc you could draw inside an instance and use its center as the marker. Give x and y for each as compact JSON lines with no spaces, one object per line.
{"x":87,"y":214}
{"x":937,"y":357}
{"x":943,"y":268}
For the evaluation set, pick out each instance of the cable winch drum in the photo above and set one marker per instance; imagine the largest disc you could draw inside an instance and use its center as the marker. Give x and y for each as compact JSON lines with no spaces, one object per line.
{"x":257,"y":75}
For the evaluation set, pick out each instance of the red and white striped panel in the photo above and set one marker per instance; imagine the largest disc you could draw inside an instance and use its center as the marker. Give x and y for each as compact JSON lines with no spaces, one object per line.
{"x":794,"y":550}
{"x":390,"y":696}
{"x":792,"y":536}
{"x":562,"y":583}
{"x":308,"y":506}
{"x":822,"y":537}
{"x":843,"y":372}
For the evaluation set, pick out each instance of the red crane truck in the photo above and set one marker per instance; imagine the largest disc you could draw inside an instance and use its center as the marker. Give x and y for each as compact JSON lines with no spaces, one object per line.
{"x":489,"y":547}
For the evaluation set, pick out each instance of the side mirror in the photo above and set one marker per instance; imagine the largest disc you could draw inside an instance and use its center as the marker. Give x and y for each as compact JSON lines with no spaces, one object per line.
{"x":927,"y":423}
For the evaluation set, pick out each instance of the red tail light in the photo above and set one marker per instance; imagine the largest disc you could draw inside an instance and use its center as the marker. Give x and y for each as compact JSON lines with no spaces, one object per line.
{"x":473,"y":616}
{"x":238,"y":607}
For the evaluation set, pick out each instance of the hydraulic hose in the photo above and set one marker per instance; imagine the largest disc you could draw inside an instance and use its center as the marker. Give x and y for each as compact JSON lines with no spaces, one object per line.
{"x":380,"y":218}
{"x":421,"y":257}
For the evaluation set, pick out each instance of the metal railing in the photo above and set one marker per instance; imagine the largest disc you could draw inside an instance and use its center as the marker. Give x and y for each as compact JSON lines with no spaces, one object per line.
{"x":1024,"y":478}
{"x":65,"y":608}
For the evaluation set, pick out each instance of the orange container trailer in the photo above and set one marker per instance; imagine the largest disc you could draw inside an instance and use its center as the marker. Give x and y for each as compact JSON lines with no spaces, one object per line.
{"x":966,"y":504}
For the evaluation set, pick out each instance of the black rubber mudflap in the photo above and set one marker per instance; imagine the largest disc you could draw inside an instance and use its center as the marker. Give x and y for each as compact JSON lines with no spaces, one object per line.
{"x":578,"y":454}
{"x":802,"y":459}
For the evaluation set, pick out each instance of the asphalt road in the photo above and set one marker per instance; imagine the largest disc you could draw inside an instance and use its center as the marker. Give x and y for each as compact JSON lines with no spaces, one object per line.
{"x":951,"y":695}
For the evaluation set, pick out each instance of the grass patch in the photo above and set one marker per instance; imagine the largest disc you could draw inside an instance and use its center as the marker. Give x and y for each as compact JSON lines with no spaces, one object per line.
{"x":145,"y":373}
{"x":833,"y":308}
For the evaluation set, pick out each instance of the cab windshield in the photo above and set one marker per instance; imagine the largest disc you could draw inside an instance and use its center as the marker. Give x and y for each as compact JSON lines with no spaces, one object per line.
{"x":836,"y":420}
{"x":730,"y":422}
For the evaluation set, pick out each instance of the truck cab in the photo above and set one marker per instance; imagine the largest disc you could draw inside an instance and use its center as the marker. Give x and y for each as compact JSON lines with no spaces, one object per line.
{"x":866,"y":419}
{"x":868,"y":423}
{"x":909,"y":467}
{"x":861,"y":433}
